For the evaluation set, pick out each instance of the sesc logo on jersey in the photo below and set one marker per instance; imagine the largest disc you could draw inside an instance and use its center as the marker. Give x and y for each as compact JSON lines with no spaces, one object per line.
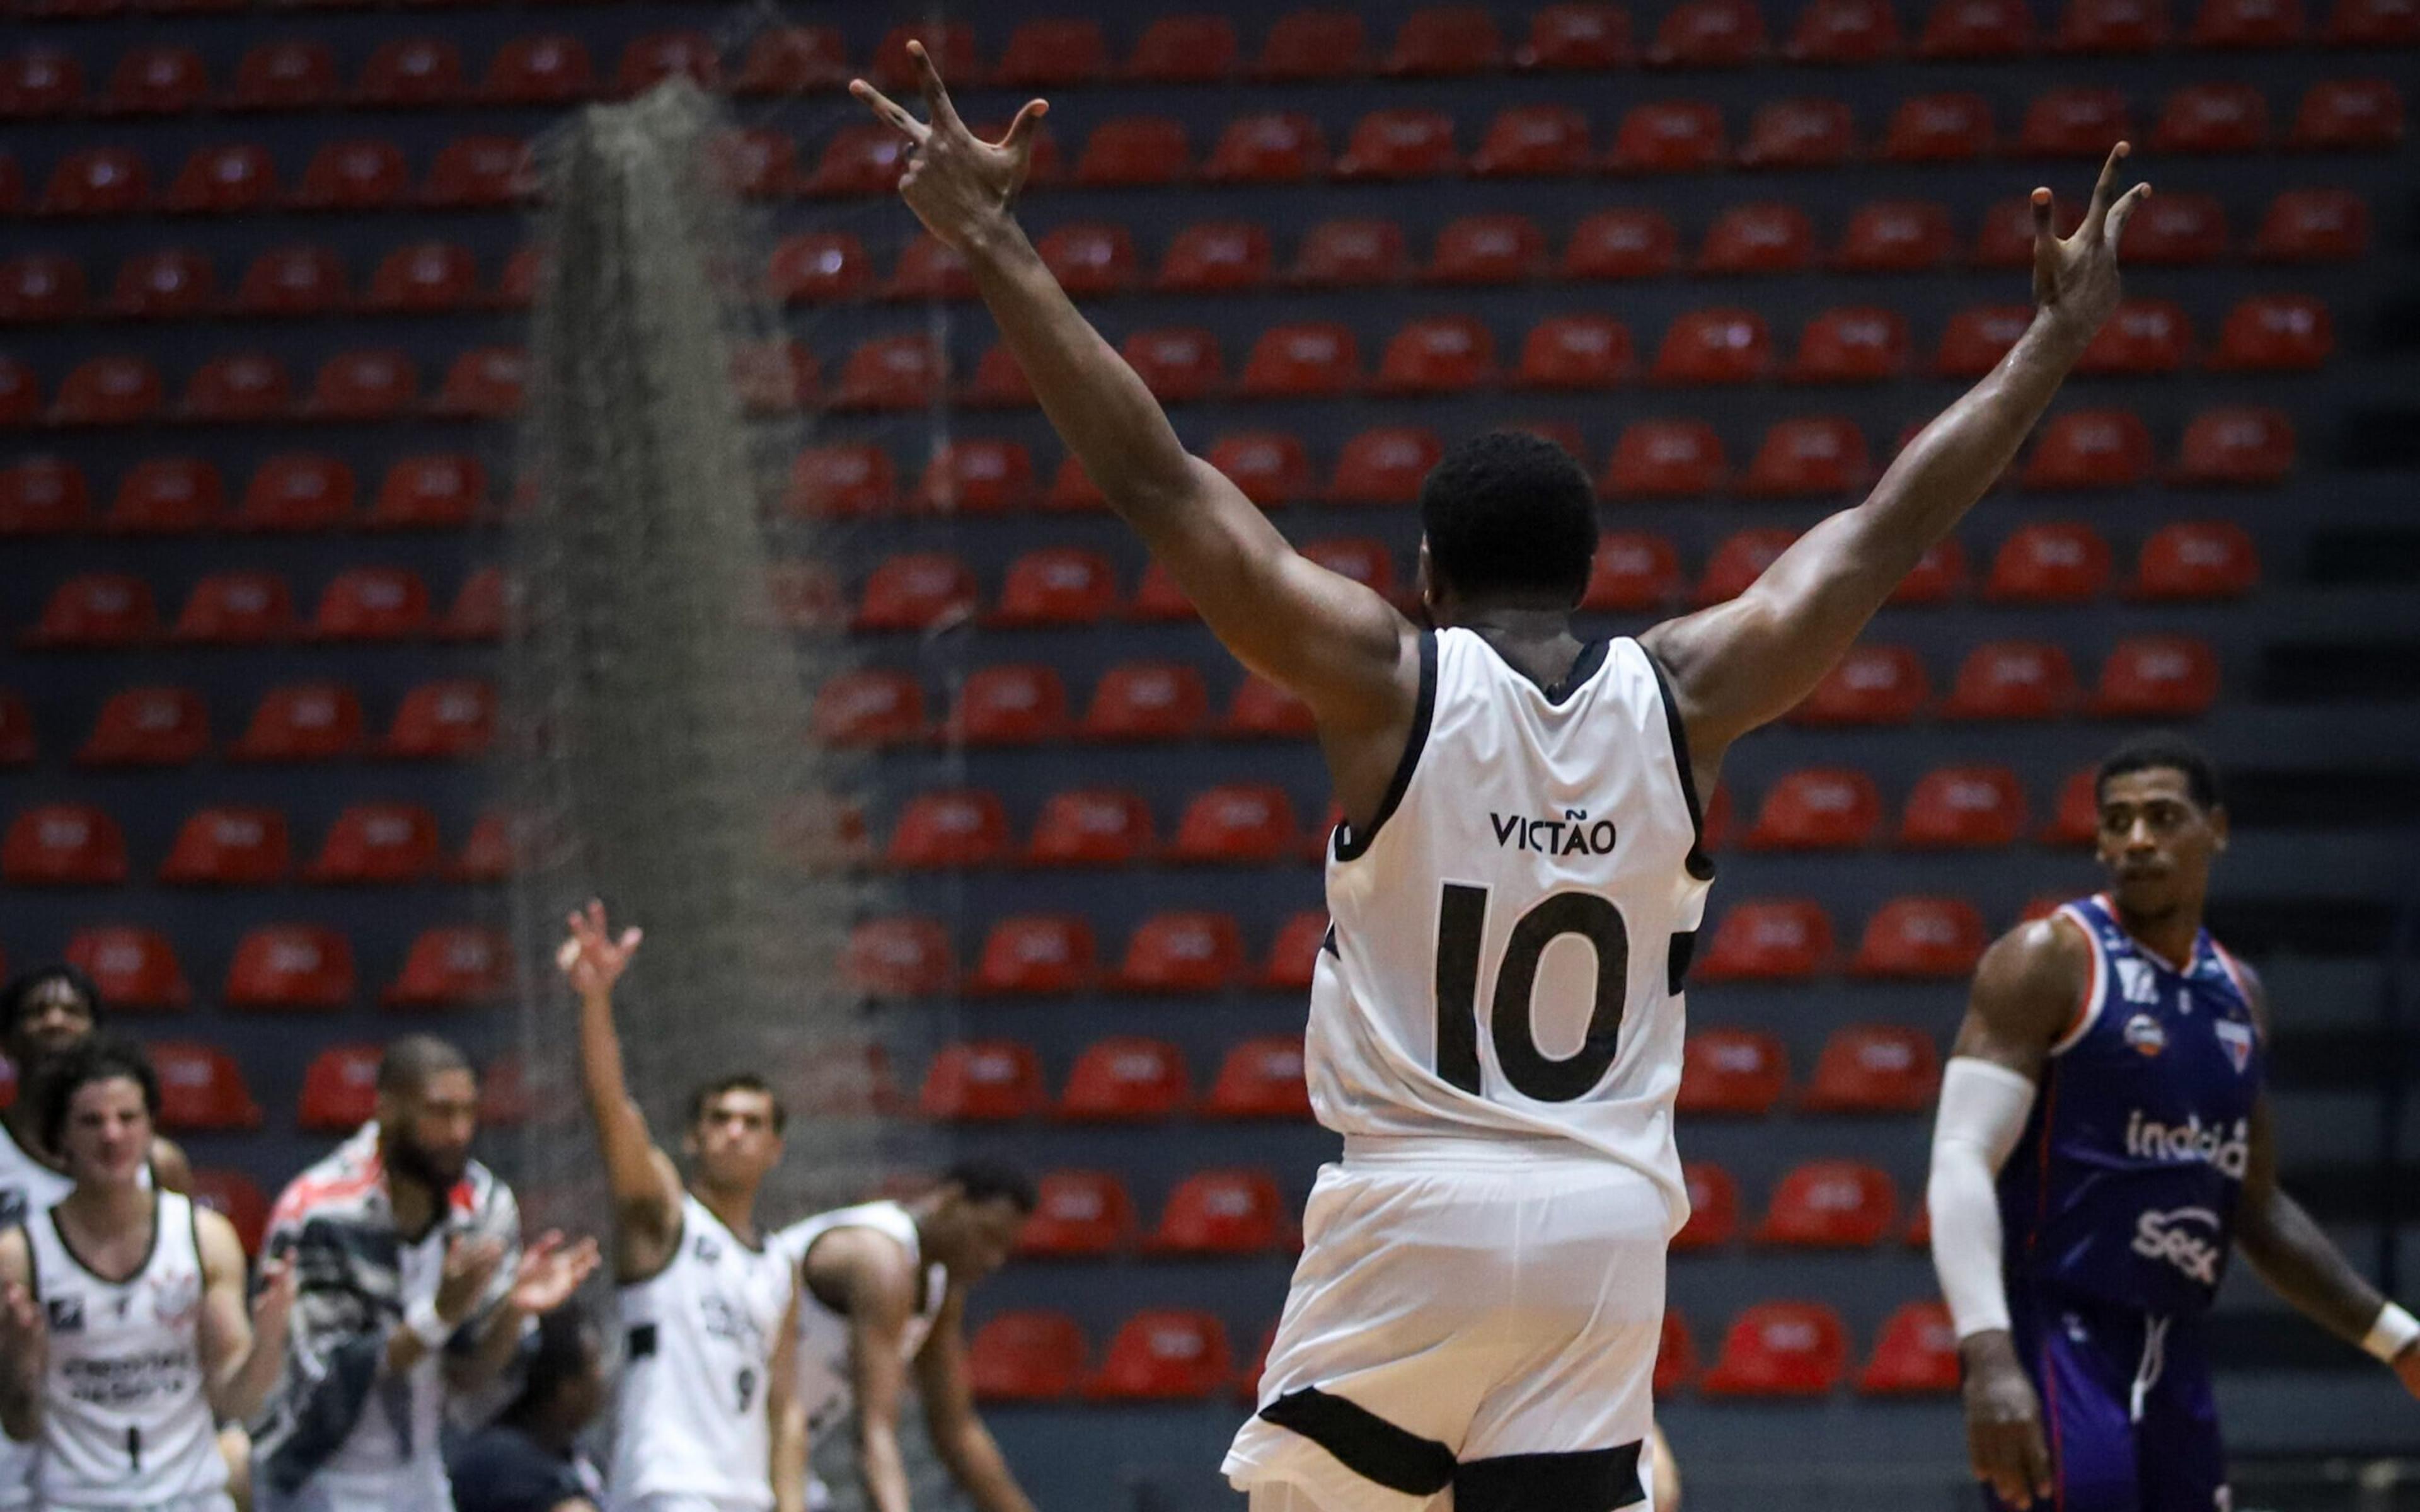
{"x":2169,"y":1236}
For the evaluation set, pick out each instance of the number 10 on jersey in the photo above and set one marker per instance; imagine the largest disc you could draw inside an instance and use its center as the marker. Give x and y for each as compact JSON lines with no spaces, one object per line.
{"x":1462,"y":927}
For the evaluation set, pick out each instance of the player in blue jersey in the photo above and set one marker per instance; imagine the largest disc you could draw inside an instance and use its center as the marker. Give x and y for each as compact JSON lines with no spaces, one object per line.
{"x":2103,"y":1143}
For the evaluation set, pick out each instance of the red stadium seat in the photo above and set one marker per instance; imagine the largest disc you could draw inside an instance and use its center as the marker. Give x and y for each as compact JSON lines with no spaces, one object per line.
{"x":92,"y":181}
{"x":1709,"y":34}
{"x":1360,"y":558}
{"x":201,"y":1087}
{"x":452,"y":967}
{"x":238,"y":387}
{"x":236,"y":608}
{"x":1216,"y":256}
{"x":1977,"y":29}
{"x":357,"y":175}
{"x":1769,"y":940}
{"x":95,"y":610}
{"x":2196,"y":560}
{"x":156,"y":81}
{"x":1665,"y":460}
{"x":1632,"y":570}
{"x":1017,"y":705}
{"x":1870,"y":685}
{"x":223,"y":180}
{"x":1056,"y":585}
{"x":2313,"y":225}
{"x":1177,"y":364}
{"x":1091,"y":826}
{"x":1811,"y":455}
{"x":20,"y":392}
{"x":108,"y":390}
{"x":1077,"y":1213}
{"x":2090,"y":449}
{"x":1799,"y":134}
{"x":1844,"y":32}
{"x":1293,"y":954}
{"x":1259,"y":1078}
{"x":2212,"y":118}
{"x":1624,"y":243}
{"x":1713,"y":1208}
{"x":2077,"y":820}
{"x":890,"y":373}
{"x":791,"y":59}
{"x":1739,"y":561}
{"x":1945,"y":127}
{"x":1763,"y":238}
{"x":550,"y":69}
{"x":166,"y":495}
{"x":900,"y":957}
{"x":1959,"y":808}
{"x":2157,"y":677}
{"x":1090,"y":258}
{"x":1031,"y":1356}
{"x":63,"y":846}
{"x":1917,"y":937}
{"x":928,"y":270}
{"x":1036,"y":954}
{"x":300,"y":722}
{"x":168,"y":283}
{"x":1236,"y":823}
{"x":860,"y":160}
{"x":148,"y":727}
{"x":1182,"y":952}
{"x":1676,"y":1356}
{"x":952,"y":45}
{"x":1146,"y":701}
{"x":976,"y":476}
{"x":1350,"y":254}
{"x":1534,"y":141}
{"x":1163,"y":1354}
{"x":384,"y":844}
{"x":999,"y":383}
{"x":1300,"y":361}
{"x":434,"y":491}
{"x":1219,"y":1212}
{"x":844,"y":480}
{"x":915,"y":591}
{"x":1270,"y":466}
{"x":1399,"y":144}
{"x":1896,"y":237}
{"x":2373,"y":24}
{"x":1830,"y":1204}
{"x":1734,"y":1071}
{"x":1073,"y":490}
{"x":2144,"y":336}
{"x":1489,"y":249}
{"x":289,"y":73}
{"x":2246,"y":24}
{"x":1882,"y":1068}
{"x":1126,"y":1079}
{"x":136,"y":967}
{"x":41,"y":287}
{"x":2275,"y":334}
{"x":1053,"y":52}
{"x":1576,"y":38}
{"x":2007,"y":236}
{"x":1275,"y":147}
{"x":649,"y":60}
{"x":1439,"y":42}
{"x":38,"y":82}
{"x":1263,"y":710}
{"x":1185,"y":49}
{"x":1917,"y":1354}
{"x":1157,"y":598}
{"x":452,"y":718}
{"x":1133,"y":151}
{"x":363,"y":385}
{"x":2177,"y":230}
{"x":2235,"y":447}
{"x":2111,"y":26}
{"x":297,"y":491}
{"x":18,"y":744}
{"x":412,"y":72}
{"x":870,"y":706}
{"x":2012,"y":679}
{"x":1818,"y":808}
{"x":290,"y":968}
{"x":292,"y":282}
{"x":948,"y":831}
{"x":1575,"y":352}
{"x":372,"y":604}
{"x":1722,"y":345}
{"x":340,"y":1088}
{"x":487,"y":854}
{"x":480,"y":607}
{"x":2075,"y":122}
{"x":2064,"y":561}
{"x":1853,"y":344}
{"x":983,"y":1081}
{"x":44,"y":496}
{"x":489,"y":383}
{"x":1314,"y":44}
{"x":1439,"y":354}
{"x":820,"y":268}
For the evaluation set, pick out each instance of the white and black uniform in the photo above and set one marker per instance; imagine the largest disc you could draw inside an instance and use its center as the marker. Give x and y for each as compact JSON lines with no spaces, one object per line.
{"x":827,"y":1388}
{"x":126,"y":1415}
{"x":691,"y":1430}
{"x":1496,"y":1026}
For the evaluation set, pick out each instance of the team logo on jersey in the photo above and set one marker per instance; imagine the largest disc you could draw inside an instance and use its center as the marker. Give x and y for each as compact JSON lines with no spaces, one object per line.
{"x":66,"y":1315}
{"x":1573,"y":834}
{"x":2169,"y":1236}
{"x":2236,"y":1038}
{"x":2136,"y":982}
{"x":2143,"y":1032}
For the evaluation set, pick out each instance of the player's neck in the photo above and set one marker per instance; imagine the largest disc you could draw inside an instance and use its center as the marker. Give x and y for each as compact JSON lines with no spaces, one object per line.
{"x":734,"y":1210}
{"x":2169,"y":935}
{"x":412,"y":1203}
{"x":108,"y":1209}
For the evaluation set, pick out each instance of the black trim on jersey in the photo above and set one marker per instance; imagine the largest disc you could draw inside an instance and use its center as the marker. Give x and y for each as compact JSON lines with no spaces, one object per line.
{"x":1597,"y":1480}
{"x":1699,"y":864}
{"x":640,"y":1343}
{"x":1676,"y":959}
{"x":1328,"y":942}
{"x":1364,"y":1443}
{"x":1586,"y":665}
{"x":68,"y":1249}
{"x":1350,"y":844}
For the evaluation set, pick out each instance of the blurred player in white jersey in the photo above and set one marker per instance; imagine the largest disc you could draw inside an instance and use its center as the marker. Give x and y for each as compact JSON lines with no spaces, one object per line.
{"x":1496,"y":1018}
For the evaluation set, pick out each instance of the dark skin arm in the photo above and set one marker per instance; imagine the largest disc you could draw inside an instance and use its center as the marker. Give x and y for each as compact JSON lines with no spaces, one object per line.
{"x":959,"y":1437}
{"x":870,"y":1274}
{"x":2025,"y":994}
{"x":1747,"y":662}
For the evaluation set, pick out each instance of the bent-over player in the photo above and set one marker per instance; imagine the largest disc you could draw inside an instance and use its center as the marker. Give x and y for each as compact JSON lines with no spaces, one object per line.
{"x":705,"y":1301}
{"x":1495,"y":1017}
{"x":2117,"y":1051}
{"x":124,"y":1336}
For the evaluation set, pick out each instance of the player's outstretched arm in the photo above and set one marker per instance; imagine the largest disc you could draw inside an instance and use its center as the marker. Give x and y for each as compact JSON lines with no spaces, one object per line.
{"x":870,"y":1274}
{"x":959,"y":1437}
{"x":1747,"y":662}
{"x":645,"y":1187}
{"x":2294,"y":1256}
{"x":24,"y":1342}
{"x":2026,"y":992}
{"x":1331,"y":641}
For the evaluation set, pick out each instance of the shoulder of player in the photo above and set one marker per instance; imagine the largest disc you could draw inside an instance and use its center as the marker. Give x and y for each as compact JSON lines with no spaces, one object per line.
{"x":2034,"y":975}
{"x":170,"y":1168}
{"x":215,"y":1239}
{"x":2255,"y":990}
{"x":864,"y":1265}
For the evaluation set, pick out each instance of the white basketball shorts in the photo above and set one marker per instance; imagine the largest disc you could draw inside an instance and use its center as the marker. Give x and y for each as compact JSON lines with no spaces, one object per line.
{"x":1472,"y":1327}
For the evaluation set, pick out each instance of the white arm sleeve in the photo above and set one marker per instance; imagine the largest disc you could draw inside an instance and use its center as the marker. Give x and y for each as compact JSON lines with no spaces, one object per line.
{"x":1984,"y":1110}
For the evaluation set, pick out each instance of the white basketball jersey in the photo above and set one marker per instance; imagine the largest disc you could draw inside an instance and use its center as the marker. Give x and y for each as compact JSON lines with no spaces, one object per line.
{"x":698,"y":1340}
{"x":27,"y":1190}
{"x":826,"y":1388}
{"x":126,"y":1422}
{"x":1509,"y":935}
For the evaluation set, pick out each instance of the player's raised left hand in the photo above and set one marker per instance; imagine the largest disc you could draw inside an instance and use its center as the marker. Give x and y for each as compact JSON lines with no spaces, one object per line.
{"x":960,"y":185}
{"x":591,"y":957}
{"x":2075,"y":278}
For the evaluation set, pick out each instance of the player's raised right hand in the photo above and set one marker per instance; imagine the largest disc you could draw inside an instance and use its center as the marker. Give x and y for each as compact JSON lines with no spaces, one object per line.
{"x":2004,"y":1426}
{"x":591,"y":957}
{"x":960,"y":185}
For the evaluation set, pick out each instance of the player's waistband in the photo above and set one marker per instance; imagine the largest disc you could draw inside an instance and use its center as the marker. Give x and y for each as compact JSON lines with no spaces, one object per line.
{"x":1465,"y":1150}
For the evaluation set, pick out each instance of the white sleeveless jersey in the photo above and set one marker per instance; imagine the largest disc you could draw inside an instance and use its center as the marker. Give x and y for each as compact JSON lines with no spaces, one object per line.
{"x":1509,"y":935}
{"x":27,"y":1190}
{"x":126,"y":1422}
{"x":698,"y":1341}
{"x":826,"y":1388}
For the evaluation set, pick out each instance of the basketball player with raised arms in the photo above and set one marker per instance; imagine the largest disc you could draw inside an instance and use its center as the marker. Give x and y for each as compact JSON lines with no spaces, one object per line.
{"x":1495,"y":1015}
{"x":706,"y":1301}
{"x":2103,"y":1142}
{"x":124,"y":1335}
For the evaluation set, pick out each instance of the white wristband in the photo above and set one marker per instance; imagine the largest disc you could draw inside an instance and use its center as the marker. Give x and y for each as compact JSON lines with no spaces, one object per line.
{"x":421,"y":1322}
{"x":2392,"y":1333}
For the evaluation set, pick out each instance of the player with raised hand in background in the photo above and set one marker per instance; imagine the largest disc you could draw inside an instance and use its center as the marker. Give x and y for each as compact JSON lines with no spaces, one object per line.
{"x":1495,"y":1015}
